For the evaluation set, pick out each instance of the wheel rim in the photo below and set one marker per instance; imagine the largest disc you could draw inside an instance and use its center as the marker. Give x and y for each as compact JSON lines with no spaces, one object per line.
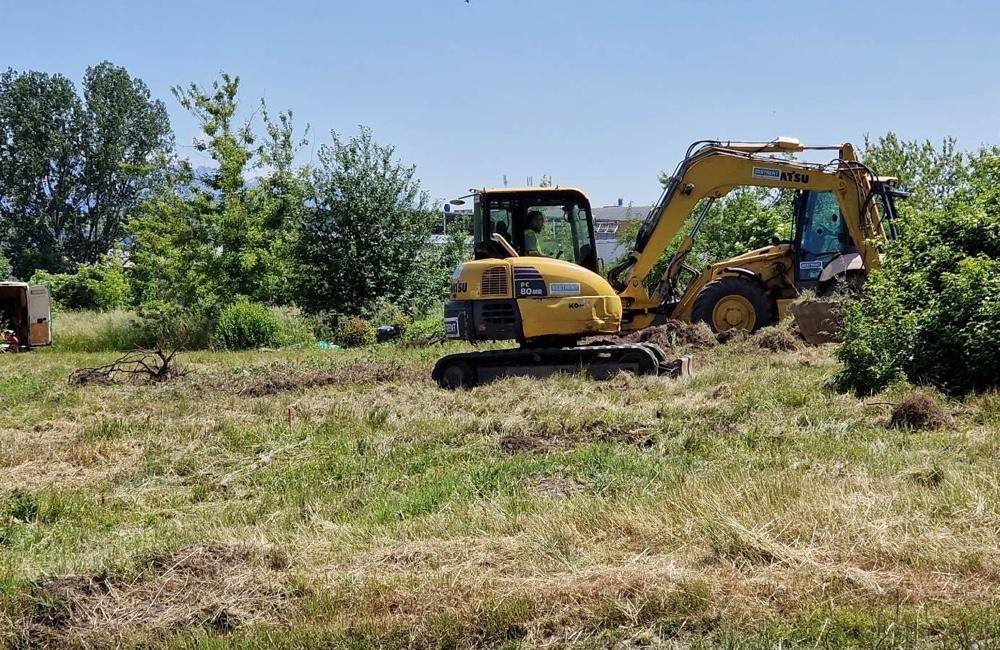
{"x":734,"y":312}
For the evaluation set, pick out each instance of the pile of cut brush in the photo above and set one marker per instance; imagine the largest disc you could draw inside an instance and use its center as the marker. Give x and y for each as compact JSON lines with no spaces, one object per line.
{"x":678,"y":337}
{"x":155,"y":366}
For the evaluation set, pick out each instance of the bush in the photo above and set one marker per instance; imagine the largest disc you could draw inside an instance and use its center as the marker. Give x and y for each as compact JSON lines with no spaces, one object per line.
{"x":244,"y":325}
{"x":385,"y":312}
{"x":294,"y":327}
{"x":5,"y":268}
{"x":171,"y":326}
{"x":99,"y":287}
{"x":354,"y":331}
{"x":425,"y":330}
{"x":932,"y":314}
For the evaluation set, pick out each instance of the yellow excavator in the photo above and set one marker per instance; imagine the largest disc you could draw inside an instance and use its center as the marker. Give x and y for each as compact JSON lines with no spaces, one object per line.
{"x":549,"y":300}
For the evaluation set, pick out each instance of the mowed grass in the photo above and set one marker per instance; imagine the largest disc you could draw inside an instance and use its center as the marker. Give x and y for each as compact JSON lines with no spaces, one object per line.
{"x":340,"y":499}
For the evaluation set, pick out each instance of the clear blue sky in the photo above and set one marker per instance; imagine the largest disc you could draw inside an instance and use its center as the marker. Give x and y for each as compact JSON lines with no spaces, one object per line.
{"x":601,"y":94}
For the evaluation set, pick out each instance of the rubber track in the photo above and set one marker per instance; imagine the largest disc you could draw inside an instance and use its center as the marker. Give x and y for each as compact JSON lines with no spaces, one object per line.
{"x":543,"y":359}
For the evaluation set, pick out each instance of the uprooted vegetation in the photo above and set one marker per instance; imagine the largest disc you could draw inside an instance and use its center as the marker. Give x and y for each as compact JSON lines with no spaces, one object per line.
{"x":918,"y":410}
{"x":157,"y":365}
{"x":750,"y":504}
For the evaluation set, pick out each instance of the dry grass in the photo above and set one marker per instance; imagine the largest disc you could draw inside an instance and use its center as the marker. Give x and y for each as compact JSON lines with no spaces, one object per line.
{"x":314,"y":499}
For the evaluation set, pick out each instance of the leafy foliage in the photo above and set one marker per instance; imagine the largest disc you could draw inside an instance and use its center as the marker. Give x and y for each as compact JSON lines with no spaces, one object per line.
{"x":354,"y":331}
{"x":745,"y":219}
{"x":931,"y":315}
{"x":367,"y":236}
{"x":933,"y":175}
{"x":101,"y":287}
{"x":208,"y":238}
{"x":73,"y":168}
{"x":244,"y":325}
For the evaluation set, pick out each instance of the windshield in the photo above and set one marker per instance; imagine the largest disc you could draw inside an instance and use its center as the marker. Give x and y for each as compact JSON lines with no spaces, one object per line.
{"x":543,"y":224}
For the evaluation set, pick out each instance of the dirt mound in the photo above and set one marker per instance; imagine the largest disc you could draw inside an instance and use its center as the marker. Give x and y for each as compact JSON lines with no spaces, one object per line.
{"x":211,"y":585}
{"x":776,"y":339}
{"x":675,"y":334}
{"x":283,"y":379}
{"x":918,"y":410}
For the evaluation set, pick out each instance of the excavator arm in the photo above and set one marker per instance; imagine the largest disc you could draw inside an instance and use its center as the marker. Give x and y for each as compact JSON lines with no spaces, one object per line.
{"x":711,"y":170}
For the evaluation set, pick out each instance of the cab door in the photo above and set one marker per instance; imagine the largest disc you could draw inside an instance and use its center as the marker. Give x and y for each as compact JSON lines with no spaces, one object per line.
{"x":821,"y":236}
{"x":39,"y":316}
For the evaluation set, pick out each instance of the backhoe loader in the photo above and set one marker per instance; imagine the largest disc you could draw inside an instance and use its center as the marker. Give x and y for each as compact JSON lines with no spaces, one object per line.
{"x":843,"y":210}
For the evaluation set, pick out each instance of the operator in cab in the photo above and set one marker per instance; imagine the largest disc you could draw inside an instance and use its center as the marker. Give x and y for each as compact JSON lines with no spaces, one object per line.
{"x":536,"y":221}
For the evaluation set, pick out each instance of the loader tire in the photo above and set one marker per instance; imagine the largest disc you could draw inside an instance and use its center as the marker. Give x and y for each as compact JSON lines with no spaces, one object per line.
{"x":733,"y":302}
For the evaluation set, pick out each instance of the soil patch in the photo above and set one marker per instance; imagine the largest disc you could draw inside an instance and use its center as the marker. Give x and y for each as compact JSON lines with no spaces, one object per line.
{"x":918,"y":410}
{"x":211,"y":585}
{"x":277,"y":380}
{"x":628,"y":434}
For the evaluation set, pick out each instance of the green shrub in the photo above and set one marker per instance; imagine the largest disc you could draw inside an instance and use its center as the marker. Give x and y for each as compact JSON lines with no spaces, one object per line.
{"x":5,"y":268}
{"x":385,"y":312}
{"x":172,"y":326}
{"x":295,"y":328}
{"x":931,"y":314}
{"x":244,"y":325}
{"x":100,"y":287}
{"x":425,"y":330}
{"x":354,"y":331}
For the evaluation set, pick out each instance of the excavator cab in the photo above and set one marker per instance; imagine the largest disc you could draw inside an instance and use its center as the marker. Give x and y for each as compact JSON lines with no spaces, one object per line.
{"x":567,"y":230}
{"x":823,"y":247}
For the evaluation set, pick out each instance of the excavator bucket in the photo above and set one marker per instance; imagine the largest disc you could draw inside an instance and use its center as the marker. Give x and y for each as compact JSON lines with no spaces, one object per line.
{"x":818,"y":321}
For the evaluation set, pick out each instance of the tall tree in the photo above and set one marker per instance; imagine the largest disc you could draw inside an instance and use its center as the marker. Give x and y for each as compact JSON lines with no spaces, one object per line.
{"x":40,"y":142}
{"x":367,"y":235}
{"x":206,"y":239}
{"x":72,"y":169}
{"x":124,"y":131}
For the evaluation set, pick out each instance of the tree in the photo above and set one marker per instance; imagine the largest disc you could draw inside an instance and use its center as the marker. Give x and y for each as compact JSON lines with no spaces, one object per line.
{"x":72,"y":169}
{"x":207,"y":239}
{"x":933,"y":175}
{"x":124,"y":131}
{"x":367,"y":236}
{"x":930,"y":314}
{"x":745,"y":219}
{"x":40,"y":143}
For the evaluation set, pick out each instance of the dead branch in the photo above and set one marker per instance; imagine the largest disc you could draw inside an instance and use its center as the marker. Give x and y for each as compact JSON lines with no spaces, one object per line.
{"x":155,"y":365}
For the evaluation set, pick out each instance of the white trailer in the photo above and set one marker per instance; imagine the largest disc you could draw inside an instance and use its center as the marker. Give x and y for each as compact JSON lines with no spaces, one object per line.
{"x":25,"y":316}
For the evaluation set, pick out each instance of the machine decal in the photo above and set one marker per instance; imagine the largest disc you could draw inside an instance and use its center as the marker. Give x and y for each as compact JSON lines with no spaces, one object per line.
{"x":530,"y":288}
{"x":564,"y":288}
{"x":771,"y":174}
{"x":767,"y":172}
{"x":579,"y":304}
{"x":528,"y":283}
{"x":451,"y":329}
{"x":459,"y":287}
{"x":810,"y":265}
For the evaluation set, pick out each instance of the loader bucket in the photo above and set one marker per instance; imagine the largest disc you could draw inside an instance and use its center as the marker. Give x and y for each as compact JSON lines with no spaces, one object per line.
{"x":818,"y":321}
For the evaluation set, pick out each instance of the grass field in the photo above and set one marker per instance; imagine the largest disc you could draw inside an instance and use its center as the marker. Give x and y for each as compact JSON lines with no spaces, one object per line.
{"x":340,"y":499}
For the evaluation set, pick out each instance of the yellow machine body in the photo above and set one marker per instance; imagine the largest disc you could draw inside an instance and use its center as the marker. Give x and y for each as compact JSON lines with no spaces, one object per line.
{"x":550,"y":298}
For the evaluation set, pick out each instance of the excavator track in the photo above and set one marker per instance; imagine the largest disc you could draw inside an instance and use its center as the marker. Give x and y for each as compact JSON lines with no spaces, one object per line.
{"x":468,"y":369}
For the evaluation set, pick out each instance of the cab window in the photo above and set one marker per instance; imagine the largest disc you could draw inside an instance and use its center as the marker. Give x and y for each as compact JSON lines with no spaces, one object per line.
{"x":822,"y":234}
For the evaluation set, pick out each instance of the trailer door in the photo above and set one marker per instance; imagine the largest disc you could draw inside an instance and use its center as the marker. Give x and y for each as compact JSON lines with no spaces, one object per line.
{"x":39,"y":316}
